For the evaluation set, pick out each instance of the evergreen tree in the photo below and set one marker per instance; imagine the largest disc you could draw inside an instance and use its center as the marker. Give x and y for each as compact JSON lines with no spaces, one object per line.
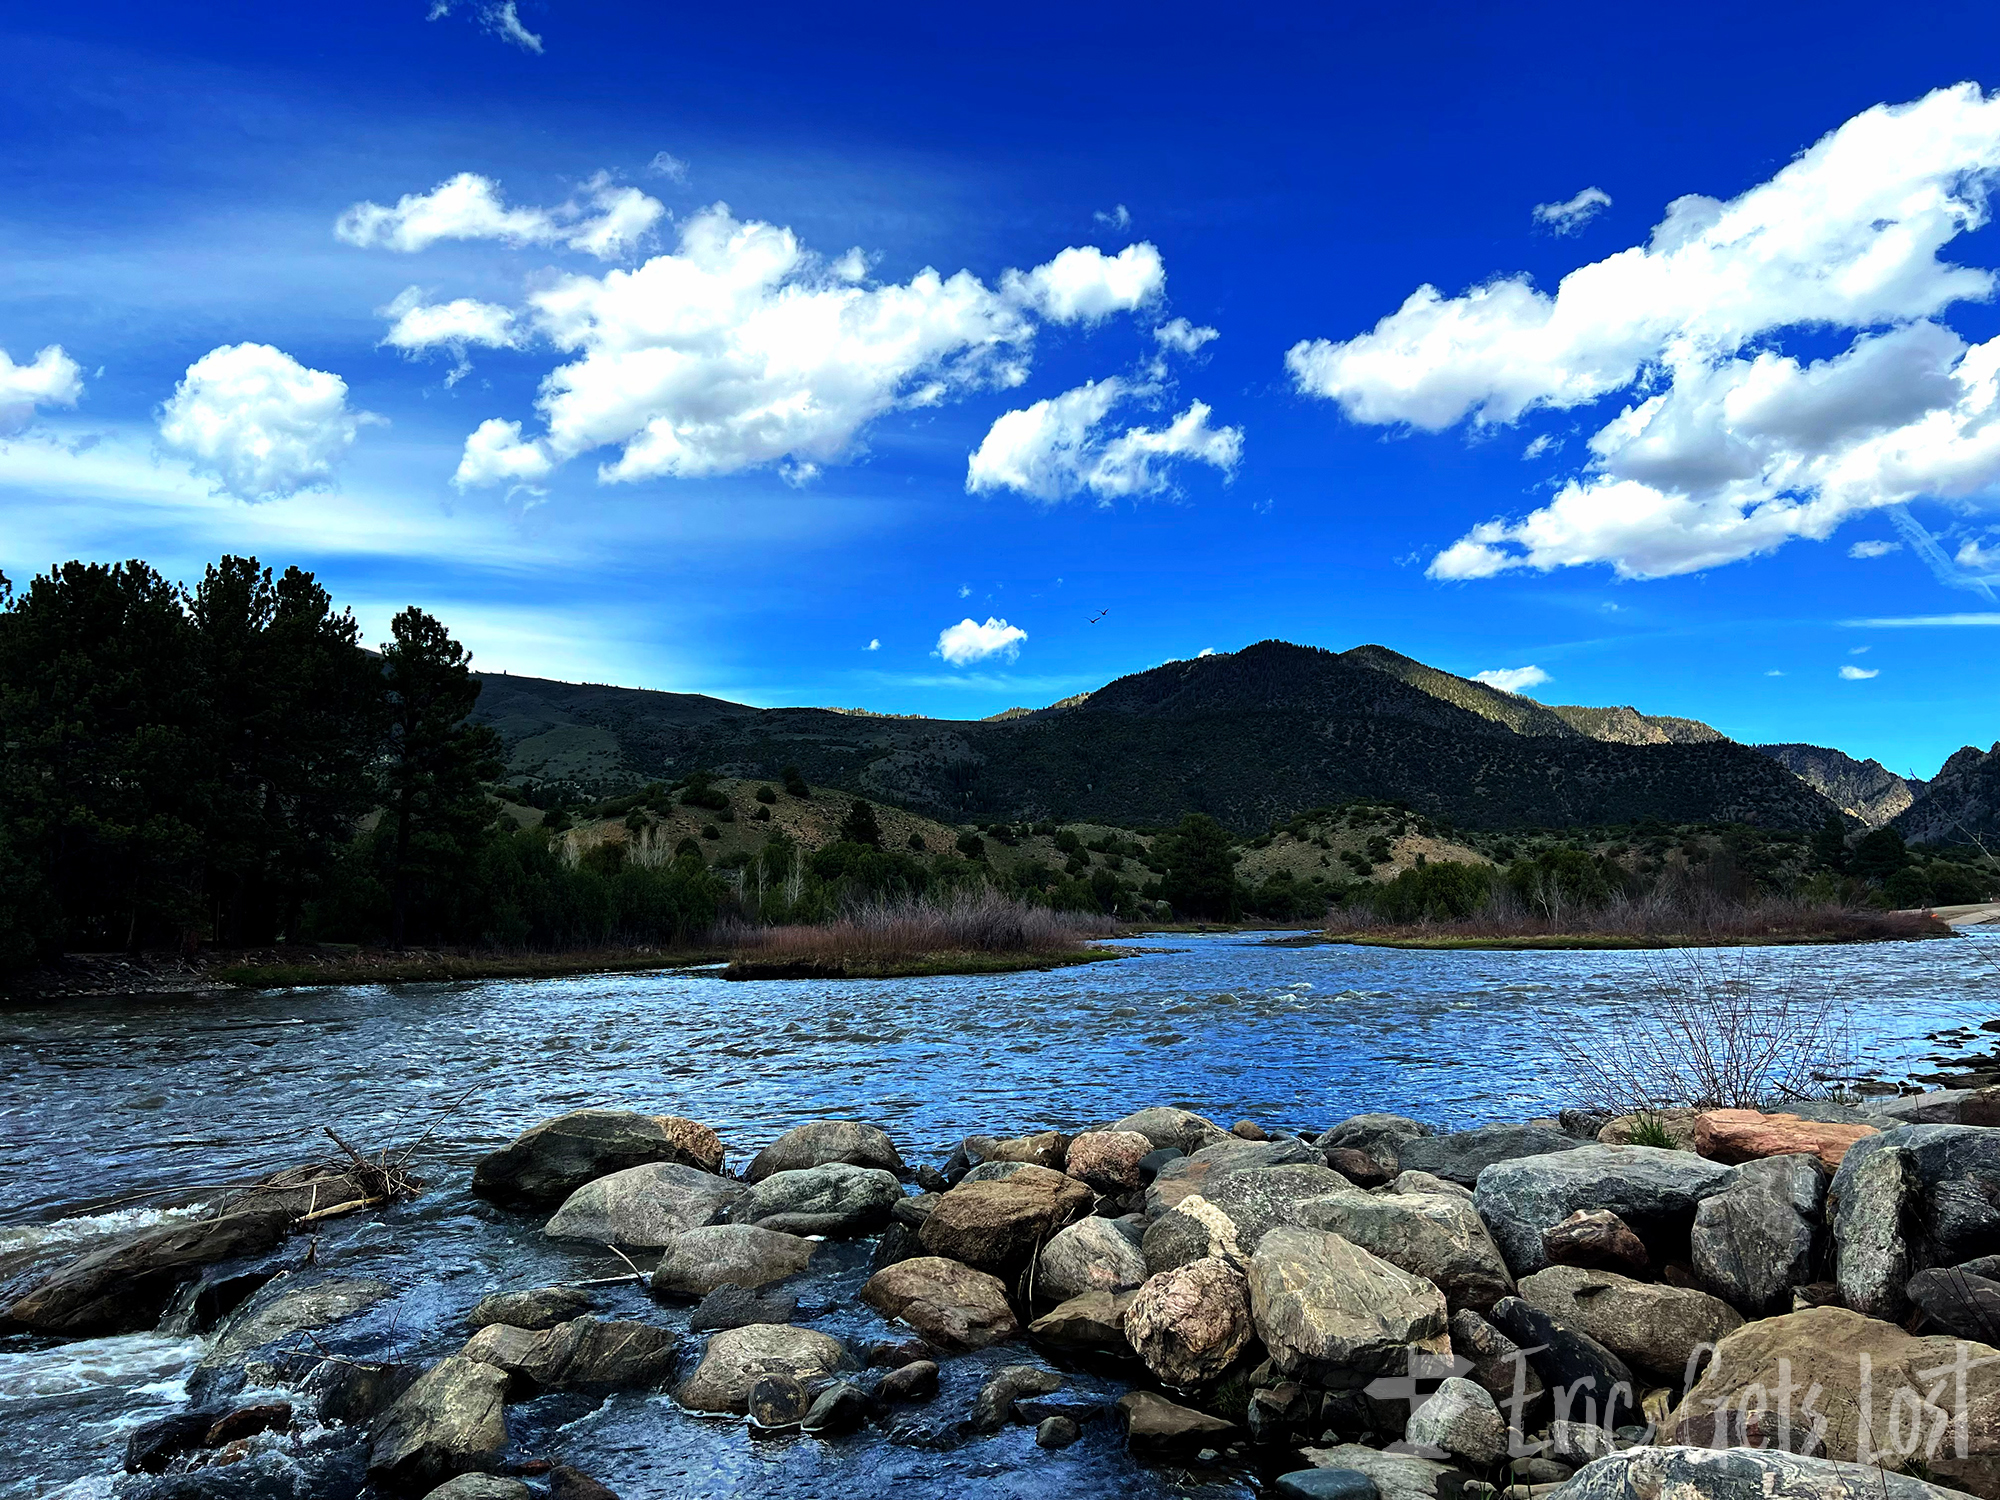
{"x":1200,"y":878}
{"x":860,"y":827}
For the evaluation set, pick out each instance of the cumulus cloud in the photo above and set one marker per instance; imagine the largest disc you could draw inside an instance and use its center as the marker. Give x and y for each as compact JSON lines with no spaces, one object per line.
{"x":496,"y":454}
{"x":1865,"y":550}
{"x":261,"y":424}
{"x":1512,"y":679}
{"x":608,"y":221}
{"x":419,"y":326}
{"x":1729,"y":446}
{"x":1859,"y":674}
{"x":51,"y":379}
{"x":1183,"y":337}
{"x":1064,"y":445}
{"x":968,"y":641}
{"x":1572,"y":214}
{"x":873,"y":645}
{"x":743,"y":348}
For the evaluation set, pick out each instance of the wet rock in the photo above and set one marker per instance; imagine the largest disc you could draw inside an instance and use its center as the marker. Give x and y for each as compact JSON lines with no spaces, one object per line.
{"x":1759,"y":1238}
{"x":995,"y":1226}
{"x":480,"y":1487}
{"x":1643,"y":1185}
{"x":1397,"y":1476}
{"x":700,"y":1260}
{"x":1358,"y":1167}
{"x":566,"y":1483}
{"x":1107,"y":1161}
{"x":950,"y":1304}
{"x":777,"y":1401}
{"x":123,"y":1287}
{"x":1151,"y":1163}
{"x":543,"y":1307}
{"x":1324,"y":1306}
{"x":1205,"y":1169}
{"x":1463,"y":1155}
{"x":288,"y":1304}
{"x":1653,"y":1327}
{"x":1049,"y":1149}
{"x":1056,"y":1432}
{"x":1153,"y":1424}
{"x":1740,"y":1135}
{"x":1179,"y":1128}
{"x":1959,"y":1303}
{"x":248,"y":1421}
{"x":1588,"y":1381}
{"x":841,"y":1407}
{"x":583,"y":1354}
{"x":155,"y":1445}
{"x":1325,"y":1484}
{"x":1498,"y":1366}
{"x":352,"y":1393}
{"x":1377,"y":1134}
{"x":735,"y":1306}
{"x":450,"y":1422}
{"x":1091,"y":1255}
{"x":1249,"y":1130}
{"x":1188,"y":1325}
{"x":547,"y":1163}
{"x":644,"y":1207}
{"x":1432,"y":1235}
{"x":1873,"y":1225}
{"x":915,"y":1381}
{"x":1460,"y":1420}
{"x":736,"y":1358}
{"x":1741,"y":1471}
{"x":898,"y":1242}
{"x":1677,"y":1123}
{"x":1174,"y":1239}
{"x":993,"y":1407}
{"x":819,"y":1142}
{"x":836,"y":1200}
{"x":1094,"y":1320}
{"x":1596,"y":1239}
{"x":893,"y":1354}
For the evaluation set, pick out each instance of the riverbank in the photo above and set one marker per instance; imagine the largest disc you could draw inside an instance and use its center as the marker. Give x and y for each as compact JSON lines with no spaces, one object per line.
{"x":1833,"y":926}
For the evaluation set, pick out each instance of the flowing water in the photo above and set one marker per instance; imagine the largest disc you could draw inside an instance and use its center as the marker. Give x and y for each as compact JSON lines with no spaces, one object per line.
{"x":120,"y":1110}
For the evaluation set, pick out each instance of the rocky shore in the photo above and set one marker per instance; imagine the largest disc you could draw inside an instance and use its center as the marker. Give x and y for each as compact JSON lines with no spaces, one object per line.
{"x":1800,"y":1302}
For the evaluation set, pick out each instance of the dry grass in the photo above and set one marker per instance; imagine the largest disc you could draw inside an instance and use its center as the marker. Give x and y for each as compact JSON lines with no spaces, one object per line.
{"x":981,"y":922}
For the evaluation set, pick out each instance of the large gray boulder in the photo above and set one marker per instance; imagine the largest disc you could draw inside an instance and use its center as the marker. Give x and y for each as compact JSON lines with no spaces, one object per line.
{"x":1954,"y":1207}
{"x":1205,"y":1169}
{"x":1459,"y":1420}
{"x":1648,"y":1187}
{"x":1876,"y":1233}
{"x":1397,"y":1476}
{"x":836,"y":1200}
{"x":1761,"y":1236}
{"x":643,"y":1208}
{"x":1379,"y":1137}
{"x":481,"y":1487}
{"x":997,"y":1226}
{"x":1498,"y":1365}
{"x":1189,"y":1325}
{"x":1179,"y":1128}
{"x":818,"y":1142}
{"x":1654,"y":1327}
{"x":1461,"y":1156}
{"x":1938,"y":1107}
{"x":737,"y":1357}
{"x":1432,"y":1235}
{"x":1259,"y":1198}
{"x":1175,"y":1239}
{"x":952,"y":1305}
{"x":123,"y":1287}
{"x":1326,"y":1308}
{"x":1739,"y":1474}
{"x":1091,"y":1255}
{"x":548,"y":1162}
{"x":540,"y":1307}
{"x":744,"y":1255}
{"x":1096,"y":1320}
{"x":287,"y":1304}
{"x":451,"y":1421}
{"x":584,"y":1354}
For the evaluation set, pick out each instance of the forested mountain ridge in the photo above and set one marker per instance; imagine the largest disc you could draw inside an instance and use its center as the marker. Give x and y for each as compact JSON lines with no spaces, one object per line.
{"x":1864,"y":789}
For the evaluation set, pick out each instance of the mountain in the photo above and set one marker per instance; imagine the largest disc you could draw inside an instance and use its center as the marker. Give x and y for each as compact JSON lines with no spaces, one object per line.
{"x":1258,"y":734}
{"x":1960,"y":805}
{"x":1864,"y":789}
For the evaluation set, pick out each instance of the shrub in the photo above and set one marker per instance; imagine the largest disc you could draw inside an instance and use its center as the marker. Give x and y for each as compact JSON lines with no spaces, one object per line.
{"x":1200,"y":879}
{"x":1908,"y":887}
{"x":971,"y":845}
{"x":1446,"y":891}
{"x":795,"y":784}
{"x":710,"y":831}
{"x":1880,"y":854}
{"x":765,"y":794}
{"x":917,"y":842}
{"x":1958,"y":885}
{"x":763,"y":815}
{"x":1067,"y":841}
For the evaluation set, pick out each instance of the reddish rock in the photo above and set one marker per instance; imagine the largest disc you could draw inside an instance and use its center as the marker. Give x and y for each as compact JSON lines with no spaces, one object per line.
{"x":1108,"y":1160}
{"x":1045,"y":1150}
{"x":1595,"y":1239}
{"x":1189,"y":1324}
{"x":1740,"y":1135}
{"x":247,"y":1421}
{"x":1358,"y":1167}
{"x":1249,"y":1130}
{"x":995,"y":1226}
{"x":951,"y":1305}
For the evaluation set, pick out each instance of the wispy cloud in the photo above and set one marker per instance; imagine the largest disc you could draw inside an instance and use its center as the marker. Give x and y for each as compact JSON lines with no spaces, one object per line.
{"x":1859,"y":674}
{"x":1910,"y":622}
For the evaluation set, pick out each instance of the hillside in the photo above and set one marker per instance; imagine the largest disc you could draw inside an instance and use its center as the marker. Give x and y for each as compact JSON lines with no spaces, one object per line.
{"x":1960,"y":805}
{"x":1864,"y":789}
{"x":1249,"y":737}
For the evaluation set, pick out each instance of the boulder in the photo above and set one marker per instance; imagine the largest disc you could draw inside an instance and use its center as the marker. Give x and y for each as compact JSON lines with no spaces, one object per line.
{"x":700,"y":1260}
{"x":1958,"y":1303}
{"x":481,"y":1487}
{"x":1762,"y":1236}
{"x":733,"y":1306}
{"x":123,"y":1287}
{"x":1653,"y":1327}
{"x":290,"y":1303}
{"x":915,"y":1381}
{"x":1189,"y":1325}
{"x":736,"y":1357}
{"x":1432,"y":1235}
{"x":952,"y":1305}
{"x":451,"y":1421}
{"x":355,"y":1394}
{"x":1200,"y":1172}
{"x":1957,"y":1213}
{"x":1257,"y":1198}
{"x":1579,"y":1443}
{"x":1596,"y":1239}
{"x":1649,"y":1188}
{"x":566,"y":1483}
{"x":1459,"y":1420}
{"x":1677,"y":1123}
{"x":543,"y":1307}
{"x":996,"y":1226}
{"x":778,"y":1401}
{"x":1048,"y":1149}
{"x":838,"y":1201}
{"x":1498,"y":1366}
{"x":1091,"y":1255}
{"x":1095,"y":1320}
{"x":1753,"y":1473}
{"x":152,"y":1446}
{"x":1586,"y":1381}
{"x":1249,"y":1130}
{"x":818,"y":1142}
{"x":1424,"y":1182}
{"x":643,"y":1207}
{"x":1107,"y":1161}
{"x":997,"y":1171}
{"x":1377,"y":1135}
{"x":1740,"y":1135}
{"x":584,"y":1354}
{"x":1463,"y":1155}
{"x":545,"y":1164}
{"x":1874,"y":1225}
{"x":1184,"y":1131}
{"x":1325,"y":1484}
{"x":1397,"y":1476}
{"x":1326,"y":1307}
{"x":1056,"y":1432}
{"x":1175,"y":1239}
{"x":1153,"y":1424}
{"x":841,"y":1407}
{"x":1938,"y":1107}
{"x":1358,"y":1167}
{"x":993,"y":1407}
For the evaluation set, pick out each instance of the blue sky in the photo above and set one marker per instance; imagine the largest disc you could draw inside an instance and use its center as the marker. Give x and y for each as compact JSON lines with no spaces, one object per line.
{"x":290,"y":261}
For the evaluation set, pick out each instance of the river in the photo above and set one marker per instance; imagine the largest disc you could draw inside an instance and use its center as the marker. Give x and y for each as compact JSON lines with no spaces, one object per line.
{"x":162,"y":1096}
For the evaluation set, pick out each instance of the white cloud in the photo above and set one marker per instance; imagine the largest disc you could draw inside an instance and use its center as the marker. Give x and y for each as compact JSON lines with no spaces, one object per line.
{"x":1119,"y":218}
{"x":874,"y":645}
{"x":1205,"y":651}
{"x":1859,"y":650}
{"x":965,"y":591}
{"x":968,"y":641}
{"x":669,"y":166}
{"x":259,"y":422}
{"x":1084,"y":285}
{"x":1774,"y":672}
{"x":501,"y":17}
{"x":1908,"y":622}
{"x":495,"y":454}
{"x":1512,"y":679}
{"x":1061,"y":446}
{"x":53,"y":379}
{"x":1730,"y":447}
{"x":1859,"y":674}
{"x":453,"y":326}
{"x":1972,"y":555}
{"x":1183,"y":337}
{"x":742,"y":348}
{"x":1865,"y":550}
{"x":1543,"y":444}
{"x":611,"y":223}
{"x":1572,"y":214}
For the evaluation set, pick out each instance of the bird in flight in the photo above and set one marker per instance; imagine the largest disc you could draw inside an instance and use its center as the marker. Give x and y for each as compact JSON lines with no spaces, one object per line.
{"x":1098,"y":616}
